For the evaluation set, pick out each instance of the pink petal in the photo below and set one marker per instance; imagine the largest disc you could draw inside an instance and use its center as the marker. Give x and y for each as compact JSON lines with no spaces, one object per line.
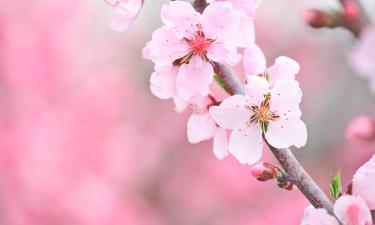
{"x":313,"y":216}
{"x":219,"y":19}
{"x":180,"y":103}
{"x":223,"y":53}
{"x":284,"y":69}
{"x":194,"y":78}
{"x":284,"y":133}
{"x":221,"y":145}
{"x":182,"y":17}
{"x":231,"y":112}
{"x":124,"y":14}
{"x":254,"y":61}
{"x":256,"y":88}
{"x":246,"y":31}
{"x":364,"y":53}
{"x":352,"y":210}
{"x":364,"y":182}
{"x":163,"y":82}
{"x":245,"y":144}
{"x":285,"y":98}
{"x":200,"y":127}
{"x":165,"y":47}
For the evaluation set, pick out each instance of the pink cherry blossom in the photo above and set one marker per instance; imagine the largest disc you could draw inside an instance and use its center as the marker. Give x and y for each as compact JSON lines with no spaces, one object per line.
{"x":348,"y":209}
{"x":364,"y":183}
{"x":363,"y":54}
{"x":246,"y":9}
{"x":254,"y":63}
{"x":352,"y":210}
{"x":193,"y":41}
{"x":202,"y":127}
{"x":125,"y":13}
{"x":361,"y":128}
{"x":273,"y":112}
{"x":313,"y":216}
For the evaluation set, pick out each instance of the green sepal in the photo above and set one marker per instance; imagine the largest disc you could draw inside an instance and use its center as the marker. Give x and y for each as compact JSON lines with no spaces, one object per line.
{"x":336,"y":185}
{"x":267,"y":76}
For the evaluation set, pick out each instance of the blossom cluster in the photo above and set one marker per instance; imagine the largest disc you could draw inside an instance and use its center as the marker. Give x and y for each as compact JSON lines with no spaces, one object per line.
{"x":349,"y":209}
{"x":186,"y":51}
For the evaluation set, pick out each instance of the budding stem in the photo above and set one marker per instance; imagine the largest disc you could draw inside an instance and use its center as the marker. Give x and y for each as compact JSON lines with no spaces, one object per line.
{"x":296,"y":173}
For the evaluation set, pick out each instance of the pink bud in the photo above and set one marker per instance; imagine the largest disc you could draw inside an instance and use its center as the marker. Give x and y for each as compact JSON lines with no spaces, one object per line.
{"x":316,"y":18}
{"x":351,"y":10}
{"x":263,"y":171}
{"x":361,"y":128}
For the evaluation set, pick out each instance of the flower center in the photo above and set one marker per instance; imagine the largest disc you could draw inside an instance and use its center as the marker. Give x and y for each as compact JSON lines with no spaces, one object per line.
{"x":198,"y":45}
{"x":262,"y":114}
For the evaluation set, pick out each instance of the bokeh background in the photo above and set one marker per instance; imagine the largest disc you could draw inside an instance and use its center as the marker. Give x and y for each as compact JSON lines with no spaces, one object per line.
{"x":84,"y":142}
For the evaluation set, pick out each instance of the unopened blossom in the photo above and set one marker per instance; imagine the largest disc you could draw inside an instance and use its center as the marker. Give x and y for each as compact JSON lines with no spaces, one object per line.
{"x":363,"y":54}
{"x":361,"y":128}
{"x":364,"y":183}
{"x":263,"y":171}
{"x":272,"y":112}
{"x":193,"y":41}
{"x":348,"y":209}
{"x":125,"y":13}
{"x":254,"y":63}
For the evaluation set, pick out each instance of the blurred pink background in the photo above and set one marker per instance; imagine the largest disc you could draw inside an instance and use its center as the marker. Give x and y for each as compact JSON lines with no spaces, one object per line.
{"x":83,"y":141}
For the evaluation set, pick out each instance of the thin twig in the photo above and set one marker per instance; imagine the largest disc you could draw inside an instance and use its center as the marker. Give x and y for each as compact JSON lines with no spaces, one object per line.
{"x":287,"y":160}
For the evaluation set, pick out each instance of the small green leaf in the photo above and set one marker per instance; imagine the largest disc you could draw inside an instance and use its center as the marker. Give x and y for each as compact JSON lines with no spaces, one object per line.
{"x":267,"y":76}
{"x":336,"y":185}
{"x":221,"y":83}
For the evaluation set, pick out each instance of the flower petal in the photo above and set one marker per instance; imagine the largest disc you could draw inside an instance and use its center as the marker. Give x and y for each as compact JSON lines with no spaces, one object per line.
{"x":284,"y":69}
{"x":231,"y":113}
{"x":246,"y":144}
{"x":313,"y":216}
{"x":256,"y":88}
{"x":194,"y":78}
{"x":285,"y":98}
{"x":364,"y":182}
{"x":352,"y":210}
{"x":246,"y":30}
{"x":221,"y":145}
{"x":284,"y":133}
{"x":364,"y":52}
{"x":221,"y":52}
{"x":200,"y":127}
{"x":165,"y":47}
{"x":254,"y":61}
{"x":219,"y":19}
{"x":180,"y":103}
{"x":163,"y":82}
{"x":182,"y":17}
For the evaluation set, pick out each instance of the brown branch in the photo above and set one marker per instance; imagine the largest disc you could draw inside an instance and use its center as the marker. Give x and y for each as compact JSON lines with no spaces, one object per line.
{"x":287,"y":160}
{"x":299,"y":177}
{"x":296,"y":173}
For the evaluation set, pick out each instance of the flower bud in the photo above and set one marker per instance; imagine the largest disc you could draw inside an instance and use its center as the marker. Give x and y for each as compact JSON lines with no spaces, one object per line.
{"x":361,"y":128}
{"x":316,"y":18}
{"x":351,"y":10}
{"x":264,"y":171}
